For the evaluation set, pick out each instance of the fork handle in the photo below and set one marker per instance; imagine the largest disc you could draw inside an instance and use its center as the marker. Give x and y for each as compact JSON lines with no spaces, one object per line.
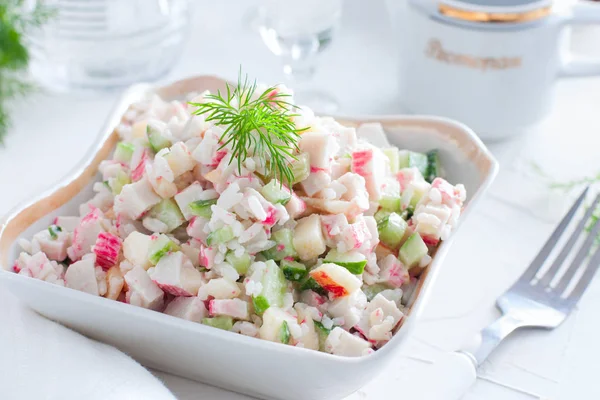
{"x":452,"y":374}
{"x":490,"y":337}
{"x":449,"y":378}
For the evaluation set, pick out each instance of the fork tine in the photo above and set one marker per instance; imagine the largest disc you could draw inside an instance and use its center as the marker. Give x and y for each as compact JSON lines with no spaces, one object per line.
{"x":586,"y":277}
{"x":538,"y":261}
{"x":558,"y":262}
{"x":584,"y":250}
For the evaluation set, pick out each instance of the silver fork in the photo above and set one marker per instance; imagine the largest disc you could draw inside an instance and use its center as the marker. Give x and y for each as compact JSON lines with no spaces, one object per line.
{"x":535,"y":300}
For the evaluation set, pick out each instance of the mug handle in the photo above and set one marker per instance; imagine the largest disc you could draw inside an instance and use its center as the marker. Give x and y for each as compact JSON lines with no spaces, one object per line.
{"x":582,"y":13}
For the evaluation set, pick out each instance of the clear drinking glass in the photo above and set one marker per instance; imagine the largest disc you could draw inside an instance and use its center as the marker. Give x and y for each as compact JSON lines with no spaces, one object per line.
{"x":106,"y":44}
{"x":297,"y":31}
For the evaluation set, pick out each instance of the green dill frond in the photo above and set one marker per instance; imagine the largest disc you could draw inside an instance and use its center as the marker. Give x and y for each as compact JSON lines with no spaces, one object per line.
{"x":260,"y":125}
{"x":15,"y":21}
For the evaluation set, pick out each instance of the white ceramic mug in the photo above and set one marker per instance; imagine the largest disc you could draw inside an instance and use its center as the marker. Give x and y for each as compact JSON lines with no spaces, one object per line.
{"x":459,"y":61}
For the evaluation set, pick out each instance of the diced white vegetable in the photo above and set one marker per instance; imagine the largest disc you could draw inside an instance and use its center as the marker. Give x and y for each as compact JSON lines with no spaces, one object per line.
{"x":350,"y":308}
{"x":161,"y":185}
{"x":295,"y":207}
{"x":345,"y":136}
{"x":54,"y":247}
{"x":235,"y":308}
{"x":379,"y":319}
{"x":180,"y":159}
{"x":135,"y":199}
{"x":343,"y":343}
{"x":176,"y":275}
{"x":356,"y":190}
{"x":310,"y":339}
{"x":143,"y":292}
{"x":192,"y":253}
{"x":308,"y":238}
{"x":219,"y":288}
{"x":321,"y":147}
{"x":190,"y":308}
{"x":135,"y":249}
{"x":38,"y":266}
{"x":196,"y":228}
{"x":114,"y":283}
{"x":81,"y":275}
{"x":185,"y":197}
{"x":316,"y":182}
{"x":273,"y":318}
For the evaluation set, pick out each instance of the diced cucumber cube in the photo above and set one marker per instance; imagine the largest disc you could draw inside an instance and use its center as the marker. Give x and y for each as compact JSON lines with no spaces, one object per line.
{"x":276,"y":193}
{"x":381,"y":215}
{"x":309,"y":283}
{"x":391,"y":203}
{"x":159,"y":246}
{"x":284,"y":246}
{"x":120,"y":180}
{"x":412,"y":197}
{"x":273,"y":288}
{"x":353,"y":261}
{"x":167,"y":211}
{"x":413,"y":250}
{"x":434,"y":168}
{"x":372,"y":290}
{"x":393,"y":155}
{"x":300,"y":167}
{"x":201,"y":208}
{"x":284,"y":333}
{"x":391,"y":230}
{"x":322,"y":333}
{"x":222,"y":322}
{"x":409,"y":159}
{"x":390,"y":196}
{"x":123,"y":152}
{"x":156,"y":138}
{"x":241,"y":263}
{"x":219,"y":236}
{"x":293,"y":270}
{"x":260,"y":303}
{"x":106,"y":184}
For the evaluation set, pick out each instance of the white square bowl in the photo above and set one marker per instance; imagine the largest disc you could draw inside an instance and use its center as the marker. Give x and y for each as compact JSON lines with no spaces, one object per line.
{"x":232,"y":361}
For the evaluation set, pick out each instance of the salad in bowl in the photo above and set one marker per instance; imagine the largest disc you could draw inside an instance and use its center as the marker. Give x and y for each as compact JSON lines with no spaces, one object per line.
{"x":246,"y":212}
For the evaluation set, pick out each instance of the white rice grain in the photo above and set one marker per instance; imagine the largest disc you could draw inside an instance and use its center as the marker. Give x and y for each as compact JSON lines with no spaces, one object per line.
{"x":227,"y":271}
{"x":250,"y":233}
{"x":256,"y":208}
{"x":327,"y":322}
{"x":230,"y":197}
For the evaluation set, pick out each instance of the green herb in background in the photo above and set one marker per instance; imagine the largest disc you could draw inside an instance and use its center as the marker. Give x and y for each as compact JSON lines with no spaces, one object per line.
{"x":570,"y":185}
{"x":260,"y":125}
{"x":15,"y":21}
{"x":567,"y":185}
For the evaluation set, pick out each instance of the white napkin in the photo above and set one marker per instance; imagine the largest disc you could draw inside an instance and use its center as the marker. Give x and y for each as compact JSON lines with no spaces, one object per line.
{"x":40,"y":359}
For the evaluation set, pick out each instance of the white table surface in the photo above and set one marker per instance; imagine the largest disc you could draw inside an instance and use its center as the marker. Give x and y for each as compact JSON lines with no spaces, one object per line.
{"x":51,"y":132}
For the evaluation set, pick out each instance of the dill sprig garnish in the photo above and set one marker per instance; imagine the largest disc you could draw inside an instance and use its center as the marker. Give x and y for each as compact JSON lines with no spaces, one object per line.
{"x":258,"y":125}
{"x":16,"y":20}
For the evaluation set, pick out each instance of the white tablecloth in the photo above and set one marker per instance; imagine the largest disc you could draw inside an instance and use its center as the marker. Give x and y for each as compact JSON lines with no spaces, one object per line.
{"x":51,"y":132}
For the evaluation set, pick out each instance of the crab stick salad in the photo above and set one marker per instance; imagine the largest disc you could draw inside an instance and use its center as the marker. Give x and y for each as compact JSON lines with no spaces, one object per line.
{"x":268,"y":221}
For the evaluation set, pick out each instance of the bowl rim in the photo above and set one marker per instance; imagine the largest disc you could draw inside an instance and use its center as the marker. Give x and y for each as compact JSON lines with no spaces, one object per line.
{"x":107,"y":131}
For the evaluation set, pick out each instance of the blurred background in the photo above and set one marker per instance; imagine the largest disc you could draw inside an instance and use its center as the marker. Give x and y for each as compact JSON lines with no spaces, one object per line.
{"x":63,"y":67}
